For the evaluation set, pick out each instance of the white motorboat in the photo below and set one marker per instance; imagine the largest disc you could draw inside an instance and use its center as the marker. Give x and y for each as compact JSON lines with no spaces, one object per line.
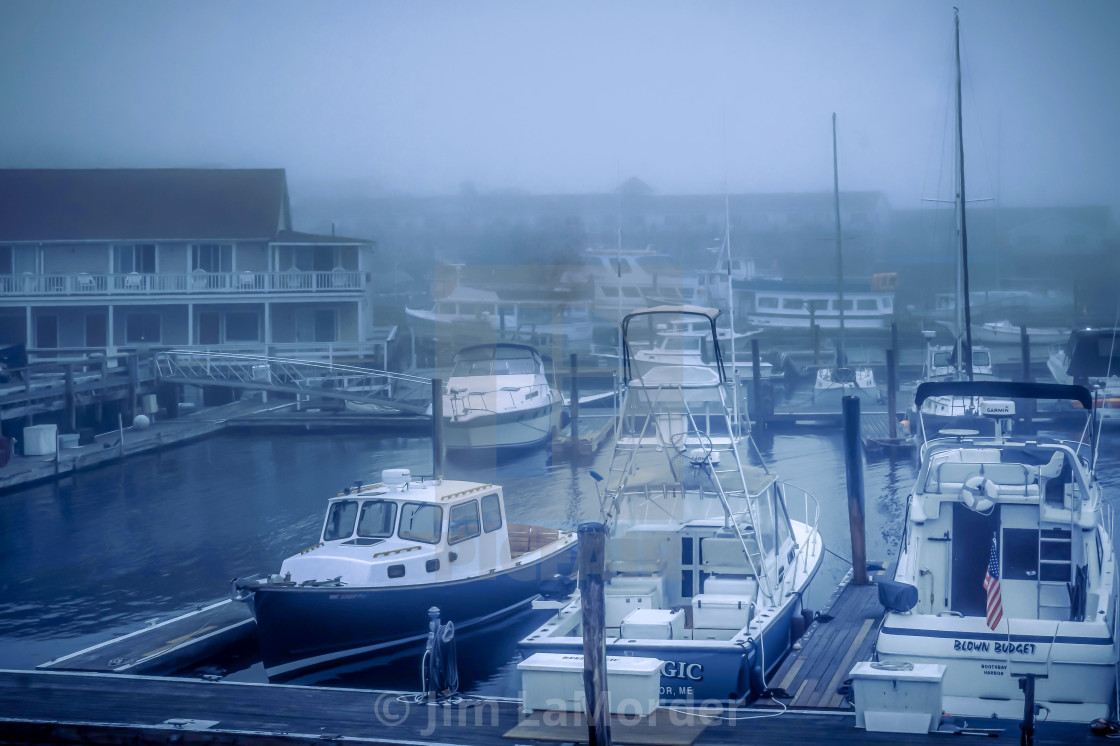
{"x":1007,"y":567}
{"x":688,"y":343}
{"x":832,"y":384}
{"x":1004,"y":332}
{"x":707,"y":557}
{"x":498,"y":396}
{"x":1091,"y":358}
{"x":388,"y":552}
{"x":941,"y":364}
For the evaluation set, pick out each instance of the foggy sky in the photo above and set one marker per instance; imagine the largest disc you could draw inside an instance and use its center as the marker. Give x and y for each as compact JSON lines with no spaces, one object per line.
{"x":563,"y":97}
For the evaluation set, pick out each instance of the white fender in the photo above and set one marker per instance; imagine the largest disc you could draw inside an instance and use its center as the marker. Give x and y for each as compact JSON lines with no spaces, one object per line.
{"x":979,"y":494}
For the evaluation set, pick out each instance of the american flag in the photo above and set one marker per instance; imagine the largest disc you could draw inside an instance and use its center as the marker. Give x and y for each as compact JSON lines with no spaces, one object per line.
{"x":991,"y":585}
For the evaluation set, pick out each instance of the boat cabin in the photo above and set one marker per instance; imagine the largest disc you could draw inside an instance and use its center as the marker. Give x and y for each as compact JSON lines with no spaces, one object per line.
{"x":414,"y":532}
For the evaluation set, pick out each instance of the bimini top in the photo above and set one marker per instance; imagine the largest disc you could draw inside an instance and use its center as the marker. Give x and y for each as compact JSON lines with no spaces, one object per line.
{"x":1004,"y":390}
{"x":711,"y":313}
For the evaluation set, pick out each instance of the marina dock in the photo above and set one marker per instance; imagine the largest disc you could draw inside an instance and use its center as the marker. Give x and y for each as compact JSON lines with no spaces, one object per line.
{"x":42,"y":707}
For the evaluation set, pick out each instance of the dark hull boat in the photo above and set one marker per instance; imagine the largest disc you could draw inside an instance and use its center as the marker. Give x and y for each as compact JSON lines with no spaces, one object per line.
{"x":388,"y":553}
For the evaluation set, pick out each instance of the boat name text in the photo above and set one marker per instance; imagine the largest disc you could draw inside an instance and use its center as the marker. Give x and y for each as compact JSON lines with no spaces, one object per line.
{"x":1001,"y":648}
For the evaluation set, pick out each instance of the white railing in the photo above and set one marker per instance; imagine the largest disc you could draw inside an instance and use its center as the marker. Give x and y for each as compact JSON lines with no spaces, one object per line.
{"x":134,"y":283}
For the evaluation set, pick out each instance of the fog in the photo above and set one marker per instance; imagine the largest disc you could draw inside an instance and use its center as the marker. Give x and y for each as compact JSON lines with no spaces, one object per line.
{"x":562,"y":97}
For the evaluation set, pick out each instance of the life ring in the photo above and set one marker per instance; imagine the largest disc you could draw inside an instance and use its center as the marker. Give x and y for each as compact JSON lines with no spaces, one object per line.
{"x":979,"y":494}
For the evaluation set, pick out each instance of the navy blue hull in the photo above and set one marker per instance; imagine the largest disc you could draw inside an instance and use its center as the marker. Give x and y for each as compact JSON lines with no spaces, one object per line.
{"x":303,"y":628}
{"x":693,"y":672}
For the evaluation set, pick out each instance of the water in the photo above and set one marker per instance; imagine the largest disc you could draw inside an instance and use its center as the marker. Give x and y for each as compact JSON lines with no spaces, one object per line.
{"x":105,"y":551}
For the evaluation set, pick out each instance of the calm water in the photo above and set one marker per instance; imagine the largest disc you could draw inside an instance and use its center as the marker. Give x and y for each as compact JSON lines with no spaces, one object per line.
{"x":105,"y":551}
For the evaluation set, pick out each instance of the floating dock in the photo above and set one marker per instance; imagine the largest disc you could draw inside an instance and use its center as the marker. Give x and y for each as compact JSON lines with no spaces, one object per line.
{"x":57,"y":707}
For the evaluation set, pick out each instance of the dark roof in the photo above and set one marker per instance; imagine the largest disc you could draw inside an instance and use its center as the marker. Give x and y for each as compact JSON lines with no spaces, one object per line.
{"x":316,"y":238}
{"x":131,"y":204}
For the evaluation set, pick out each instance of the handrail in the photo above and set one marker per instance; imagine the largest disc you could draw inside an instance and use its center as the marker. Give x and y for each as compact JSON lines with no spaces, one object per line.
{"x":163,"y":283}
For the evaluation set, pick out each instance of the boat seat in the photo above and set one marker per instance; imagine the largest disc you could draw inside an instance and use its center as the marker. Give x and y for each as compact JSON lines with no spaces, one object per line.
{"x":1012,"y":479}
{"x":635,"y":575}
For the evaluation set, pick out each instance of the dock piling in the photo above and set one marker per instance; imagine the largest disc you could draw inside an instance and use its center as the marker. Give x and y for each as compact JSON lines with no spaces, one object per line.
{"x":574,"y":409}
{"x":756,"y":384}
{"x":1028,"y":405}
{"x":892,"y":404}
{"x":592,"y":545}
{"x":437,"y":428}
{"x":854,"y":468}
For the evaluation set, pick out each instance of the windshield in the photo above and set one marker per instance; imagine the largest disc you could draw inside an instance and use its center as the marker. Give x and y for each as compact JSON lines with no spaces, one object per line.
{"x":377,"y":519}
{"x":340,"y":520}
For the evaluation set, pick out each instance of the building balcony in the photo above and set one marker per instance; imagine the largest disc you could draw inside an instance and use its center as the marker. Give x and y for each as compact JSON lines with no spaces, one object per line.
{"x":199,"y":282}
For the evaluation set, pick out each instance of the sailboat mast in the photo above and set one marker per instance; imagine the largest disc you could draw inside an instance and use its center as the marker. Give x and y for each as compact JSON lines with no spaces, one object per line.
{"x":841,"y":360}
{"x":966,"y":352}
{"x":730,"y":303}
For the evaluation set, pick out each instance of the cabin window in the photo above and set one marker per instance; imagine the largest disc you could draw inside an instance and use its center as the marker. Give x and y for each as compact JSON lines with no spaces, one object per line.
{"x":463,"y":523}
{"x":626,"y":269}
{"x":981,"y":358}
{"x":818,"y":304}
{"x":378,"y":518}
{"x":888,"y":303}
{"x":421,"y":522}
{"x":942,"y":359}
{"x":767,"y":302}
{"x":340,"y":520}
{"x":847,"y":305}
{"x":468,"y":309}
{"x":631,"y":292}
{"x":866,"y":304}
{"x":792,"y":303}
{"x":609,"y":291}
{"x":491,"y":513}
{"x":764,"y":506}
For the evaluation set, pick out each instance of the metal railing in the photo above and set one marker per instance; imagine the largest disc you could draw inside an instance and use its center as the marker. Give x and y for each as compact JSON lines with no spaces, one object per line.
{"x":134,"y":283}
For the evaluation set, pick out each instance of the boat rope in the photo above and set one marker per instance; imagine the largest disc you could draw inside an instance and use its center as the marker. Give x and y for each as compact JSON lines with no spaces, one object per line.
{"x":733,"y":718}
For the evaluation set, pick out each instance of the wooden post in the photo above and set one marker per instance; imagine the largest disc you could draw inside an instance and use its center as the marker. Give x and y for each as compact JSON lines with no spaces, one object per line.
{"x":815,"y":336}
{"x":592,"y":545}
{"x":71,"y":399}
{"x":1027,"y":415}
{"x":574,"y":372}
{"x":892,"y":384}
{"x":854,"y":467}
{"x":437,"y":428}
{"x":756,"y":383}
{"x":133,"y":381}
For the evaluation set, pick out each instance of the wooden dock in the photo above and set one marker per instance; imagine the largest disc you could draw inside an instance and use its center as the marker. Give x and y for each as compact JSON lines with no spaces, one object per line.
{"x":54,"y":707}
{"x":595,"y":427}
{"x":814,"y":675}
{"x":168,"y":646}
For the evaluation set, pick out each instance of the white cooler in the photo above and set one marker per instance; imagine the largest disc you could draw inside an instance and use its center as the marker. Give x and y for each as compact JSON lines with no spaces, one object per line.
{"x":40,"y":440}
{"x":554,"y":681}
{"x":716,"y":611}
{"x":654,"y":624}
{"x":898,"y":701}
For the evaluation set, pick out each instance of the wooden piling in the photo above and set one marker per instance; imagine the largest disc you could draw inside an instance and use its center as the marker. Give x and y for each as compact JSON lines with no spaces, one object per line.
{"x":854,"y":467}
{"x":574,"y":407}
{"x":71,"y":400}
{"x":592,"y":545}
{"x":756,"y":383}
{"x":1028,"y":405}
{"x":892,"y":386}
{"x":437,"y":428}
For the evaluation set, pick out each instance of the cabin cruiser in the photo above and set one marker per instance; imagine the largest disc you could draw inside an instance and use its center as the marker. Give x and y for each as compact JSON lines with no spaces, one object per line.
{"x":690,"y":345}
{"x":388,"y":552}
{"x":498,"y":396}
{"x":1091,"y":358}
{"x":942,"y":364}
{"x":707,"y":557}
{"x":1007,"y":567}
{"x":1004,"y":332}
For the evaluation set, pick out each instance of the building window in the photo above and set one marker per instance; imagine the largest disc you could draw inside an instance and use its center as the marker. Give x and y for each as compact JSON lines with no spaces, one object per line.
{"x":243,"y":326}
{"x":46,"y":331}
{"x":142,"y":327}
{"x":7,"y":261}
{"x":140,"y":258}
{"x":96,"y":334}
{"x":765,"y":302}
{"x":212,"y":257}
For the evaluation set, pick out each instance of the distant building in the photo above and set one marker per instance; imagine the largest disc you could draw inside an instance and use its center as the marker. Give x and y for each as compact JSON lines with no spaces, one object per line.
{"x":111,"y":260}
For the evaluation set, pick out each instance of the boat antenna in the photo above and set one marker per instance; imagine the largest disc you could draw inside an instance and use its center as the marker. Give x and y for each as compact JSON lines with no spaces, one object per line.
{"x":966,"y":352}
{"x":840,"y":359}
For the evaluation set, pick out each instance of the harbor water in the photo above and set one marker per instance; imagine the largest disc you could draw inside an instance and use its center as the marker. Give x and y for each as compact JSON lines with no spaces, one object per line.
{"x":107,"y":551}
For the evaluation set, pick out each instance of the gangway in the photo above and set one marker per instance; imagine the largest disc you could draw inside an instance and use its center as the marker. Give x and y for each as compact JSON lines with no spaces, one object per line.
{"x":378,"y":391}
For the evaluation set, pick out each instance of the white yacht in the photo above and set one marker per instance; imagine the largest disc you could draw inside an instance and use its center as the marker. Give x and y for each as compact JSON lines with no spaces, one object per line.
{"x":707,"y":557}
{"x":788,"y":306}
{"x":942,"y":364}
{"x":1007,"y":567}
{"x":1091,"y":358}
{"x":498,"y":396}
{"x":833,"y":384}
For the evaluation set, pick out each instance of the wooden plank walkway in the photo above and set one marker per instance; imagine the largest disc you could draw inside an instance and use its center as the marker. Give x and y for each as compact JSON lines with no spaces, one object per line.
{"x":813,"y":674}
{"x":876,"y":434}
{"x":40,"y":707}
{"x":594,"y":429}
{"x":168,"y":646}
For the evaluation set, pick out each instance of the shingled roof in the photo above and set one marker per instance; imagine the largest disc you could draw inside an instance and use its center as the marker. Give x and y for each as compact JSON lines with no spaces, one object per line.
{"x":136,"y":204}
